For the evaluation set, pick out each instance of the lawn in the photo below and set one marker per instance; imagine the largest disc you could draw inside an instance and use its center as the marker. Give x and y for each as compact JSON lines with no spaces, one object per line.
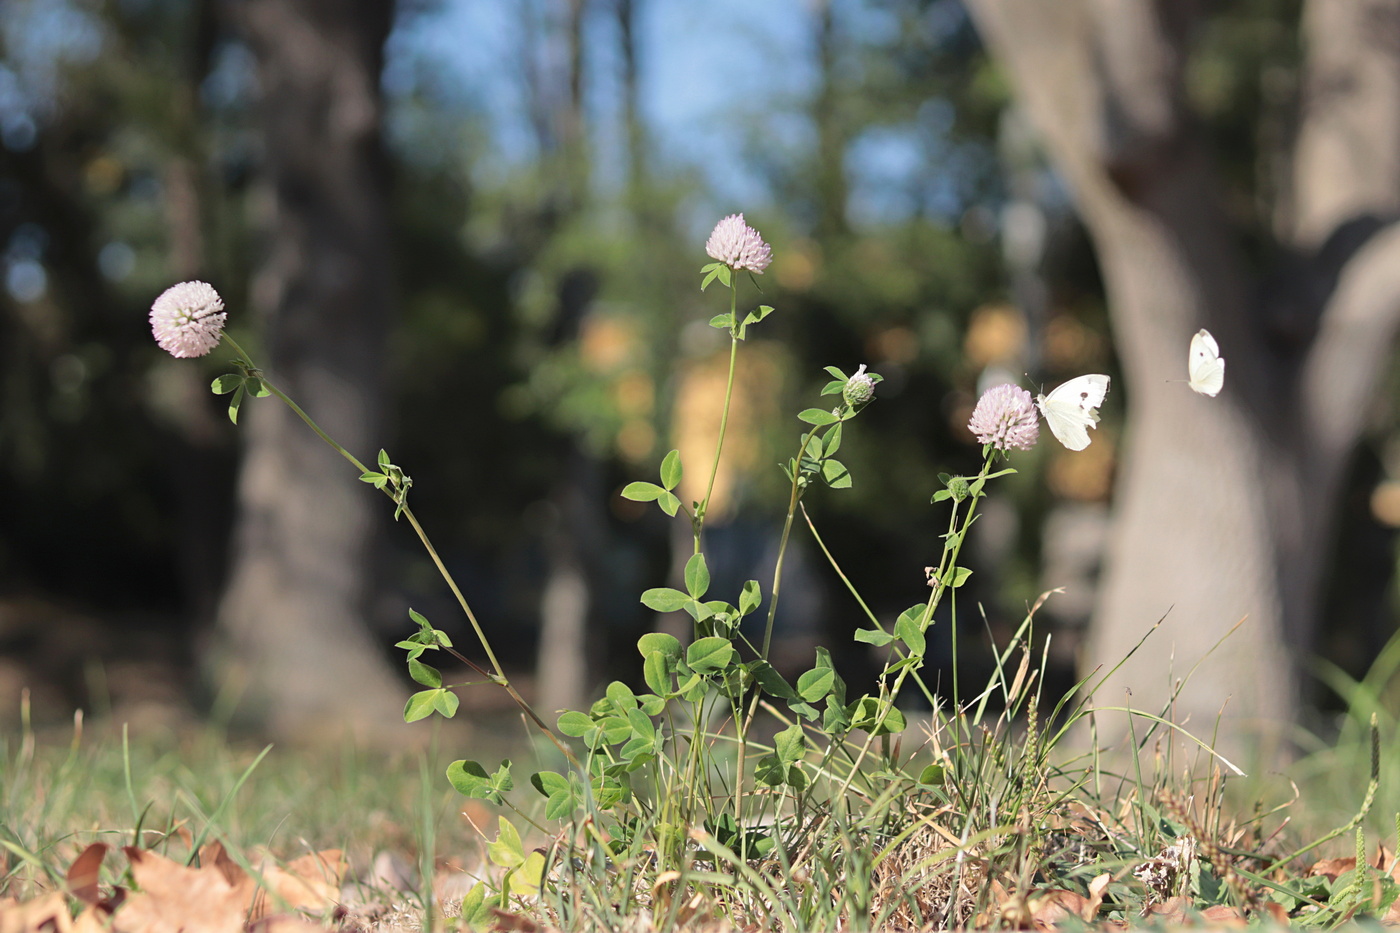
{"x":204,"y":830}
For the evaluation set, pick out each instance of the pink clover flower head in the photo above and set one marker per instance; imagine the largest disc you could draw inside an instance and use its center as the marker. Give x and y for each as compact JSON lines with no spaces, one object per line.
{"x":738,"y":245}
{"x":188,"y":319}
{"x":1005,"y":418}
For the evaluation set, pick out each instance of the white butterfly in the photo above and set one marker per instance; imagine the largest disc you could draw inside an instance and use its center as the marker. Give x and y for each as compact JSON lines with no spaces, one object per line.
{"x":1073,"y":407}
{"x":1205,"y":366}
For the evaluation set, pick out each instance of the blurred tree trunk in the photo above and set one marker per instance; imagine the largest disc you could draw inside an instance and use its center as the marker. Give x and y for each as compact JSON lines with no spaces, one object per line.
{"x":833,"y":136}
{"x":639,"y":191}
{"x":568,"y":660}
{"x":294,"y":615}
{"x":1226,"y":506}
{"x":200,"y":450}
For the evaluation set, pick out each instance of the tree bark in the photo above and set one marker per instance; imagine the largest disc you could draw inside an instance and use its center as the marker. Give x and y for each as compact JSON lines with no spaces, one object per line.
{"x":571,"y":636}
{"x":833,"y":140}
{"x":200,"y":447}
{"x":1225,"y":506}
{"x":294,"y":615}
{"x":572,"y":632}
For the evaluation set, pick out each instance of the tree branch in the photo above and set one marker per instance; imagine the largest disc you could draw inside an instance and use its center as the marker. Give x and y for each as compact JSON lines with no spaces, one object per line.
{"x":1345,"y":204}
{"x":1102,"y":82}
{"x":1101,"y":78}
{"x":1348,"y":357}
{"x":1347,"y":158}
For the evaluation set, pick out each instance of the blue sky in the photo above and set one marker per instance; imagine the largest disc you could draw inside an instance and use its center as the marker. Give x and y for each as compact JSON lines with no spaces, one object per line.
{"x":703,"y":68}
{"x":718,"y":79}
{"x":710,"y":73}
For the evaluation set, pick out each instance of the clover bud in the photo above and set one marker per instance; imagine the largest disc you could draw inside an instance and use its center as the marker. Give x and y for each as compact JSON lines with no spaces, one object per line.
{"x":859,"y":389}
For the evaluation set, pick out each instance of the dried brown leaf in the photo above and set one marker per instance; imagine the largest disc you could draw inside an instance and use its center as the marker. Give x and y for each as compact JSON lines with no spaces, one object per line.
{"x":93,"y":919}
{"x":1385,"y":859}
{"x":1020,"y":677}
{"x":1050,"y":907}
{"x":1009,"y":910}
{"x":176,"y":899}
{"x":1332,"y":867}
{"x":1224,"y":915}
{"x":1172,"y":910}
{"x":84,"y":873}
{"x":311,"y":882}
{"x":1388,"y":863}
{"x":214,"y":856}
{"x":48,"y":914}
{"x":285,"y":923}
{"x":1097,"y":887}
{"x":507,"y":922}
{"x":1040,"y":600}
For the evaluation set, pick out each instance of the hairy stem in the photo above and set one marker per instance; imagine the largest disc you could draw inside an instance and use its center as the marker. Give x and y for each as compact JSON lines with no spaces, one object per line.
{"x":698,"y":521}
{"x":497,"y":673}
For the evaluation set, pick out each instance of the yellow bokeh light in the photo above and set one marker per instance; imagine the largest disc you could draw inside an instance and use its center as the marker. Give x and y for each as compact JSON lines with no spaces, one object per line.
{"x":796,"y":267}
{"x":995,"y":333}
{"x":896,"y":344}
{"x":606,"y":342}
{"x":1070,"y":346}
{"x":698,"y":408}
{"x":1085,"y":475}
{"x":1385,"y":503}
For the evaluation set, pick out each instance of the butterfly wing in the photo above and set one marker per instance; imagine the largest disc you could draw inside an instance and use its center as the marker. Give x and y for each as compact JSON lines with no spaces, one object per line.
{"x":1206,"y":368}
{"x":1072,"y":409}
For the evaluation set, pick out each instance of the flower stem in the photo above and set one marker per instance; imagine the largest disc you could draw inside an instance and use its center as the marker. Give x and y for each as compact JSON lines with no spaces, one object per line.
{"x":793,"y":500}
{"x":744,"y":722}
{"x":497,"y":672}
{"x":701,"y":512}
{"x":946,"y":565}
{"x":297,"y":408}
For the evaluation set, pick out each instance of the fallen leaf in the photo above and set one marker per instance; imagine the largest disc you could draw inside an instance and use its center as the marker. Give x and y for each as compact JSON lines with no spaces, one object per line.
{"x":327,"y":866}
{"x":176,"y":899}
{"x":1388,"y":863}
{"x":1097,"y":887}
{"x":1050,"y":907}
{"x":506,"y":922}
{"x":1331,"y":868}
{"x":311,"y":883}
{"x":1172,"y":910}
{"x":48,"y":914}
{"x":1012,"y":912}
{"x":1224,"y":915}
{"x":83,"y":879}
{"x":85,"y":871}
{"x":93,"y":919}
{"x":285,"y":923}
{"x":215,"y":856}
{"x":1385,"y":859}
{"x":1277,"y":912}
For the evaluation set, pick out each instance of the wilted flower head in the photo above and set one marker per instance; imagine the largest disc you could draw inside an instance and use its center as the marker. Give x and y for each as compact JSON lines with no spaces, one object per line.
{"x":1005,"y":418}
{"x":859,"y":389}
{"x":188,"y":319}
{"x":738,"y":245}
